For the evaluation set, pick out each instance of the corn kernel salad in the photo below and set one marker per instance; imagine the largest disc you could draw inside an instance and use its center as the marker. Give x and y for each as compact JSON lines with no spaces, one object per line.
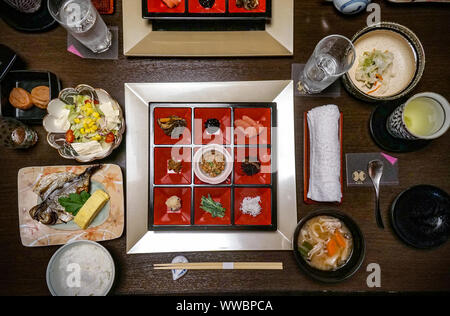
{"x":92,"y":122}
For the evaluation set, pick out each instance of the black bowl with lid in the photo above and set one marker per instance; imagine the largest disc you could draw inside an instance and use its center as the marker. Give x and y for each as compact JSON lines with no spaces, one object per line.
{"x":353,"y":263}
{"x":420,"y":216}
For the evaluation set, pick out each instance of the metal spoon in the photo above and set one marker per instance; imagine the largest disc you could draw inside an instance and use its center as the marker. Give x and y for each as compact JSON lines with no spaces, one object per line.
{"x":375,"y":169}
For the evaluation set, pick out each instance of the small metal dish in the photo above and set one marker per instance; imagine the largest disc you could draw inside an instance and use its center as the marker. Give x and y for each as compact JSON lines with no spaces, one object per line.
{"x":57,"y":140}
{"x":418,"y":51}
{"x":353,"y":263}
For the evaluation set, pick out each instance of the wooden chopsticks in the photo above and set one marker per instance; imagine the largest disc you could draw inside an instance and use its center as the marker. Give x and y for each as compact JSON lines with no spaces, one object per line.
{"x":220,"y":266}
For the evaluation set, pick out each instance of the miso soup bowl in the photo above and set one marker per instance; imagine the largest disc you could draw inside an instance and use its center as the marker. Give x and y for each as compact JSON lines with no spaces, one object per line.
{"x":349,"y":268}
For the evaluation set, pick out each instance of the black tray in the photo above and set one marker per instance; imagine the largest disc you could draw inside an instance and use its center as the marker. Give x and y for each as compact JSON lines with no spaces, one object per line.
{"x":232,"y":185}
{"x":27,"y":79}
{"x":227,"y":15}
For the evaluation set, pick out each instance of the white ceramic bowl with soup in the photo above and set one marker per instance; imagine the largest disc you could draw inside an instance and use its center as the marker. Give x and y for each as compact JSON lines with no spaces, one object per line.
{"x":80,"y":268}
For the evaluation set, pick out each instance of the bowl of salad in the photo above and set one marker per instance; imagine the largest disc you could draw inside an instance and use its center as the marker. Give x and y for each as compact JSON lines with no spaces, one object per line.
{"x":390,"y":63}
{"x":84,"y":123}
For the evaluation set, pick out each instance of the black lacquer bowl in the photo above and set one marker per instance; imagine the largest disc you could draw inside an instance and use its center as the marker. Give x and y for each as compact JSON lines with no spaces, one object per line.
{"x":352,"y":265}
{"x":420,"y":216}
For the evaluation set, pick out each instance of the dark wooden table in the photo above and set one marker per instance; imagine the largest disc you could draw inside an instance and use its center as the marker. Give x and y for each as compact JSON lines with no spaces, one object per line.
{"x":402,"y":268}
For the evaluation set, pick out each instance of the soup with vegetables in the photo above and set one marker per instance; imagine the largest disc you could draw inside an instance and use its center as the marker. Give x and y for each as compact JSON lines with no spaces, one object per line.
{"x":325,"y":243}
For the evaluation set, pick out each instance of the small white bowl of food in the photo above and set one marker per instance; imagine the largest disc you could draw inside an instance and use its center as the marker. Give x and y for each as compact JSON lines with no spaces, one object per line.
{"x":80,"y":268}
{"x":212,"y":164}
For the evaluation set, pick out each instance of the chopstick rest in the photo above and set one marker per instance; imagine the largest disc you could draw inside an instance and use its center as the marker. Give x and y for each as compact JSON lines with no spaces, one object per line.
{"x":178,"y":273}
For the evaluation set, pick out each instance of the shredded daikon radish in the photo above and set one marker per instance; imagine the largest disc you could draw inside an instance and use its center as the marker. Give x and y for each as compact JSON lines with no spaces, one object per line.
{"x":251,"y":206}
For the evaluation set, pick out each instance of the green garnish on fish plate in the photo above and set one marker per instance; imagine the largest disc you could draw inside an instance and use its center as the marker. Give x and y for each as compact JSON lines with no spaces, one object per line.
{"x":74,"y":202}
{"x":214,"y":208}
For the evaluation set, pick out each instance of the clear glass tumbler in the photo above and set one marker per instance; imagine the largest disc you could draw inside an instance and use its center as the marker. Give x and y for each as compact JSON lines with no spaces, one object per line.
{"x":82,"y":21}
{"x":333,"y":56}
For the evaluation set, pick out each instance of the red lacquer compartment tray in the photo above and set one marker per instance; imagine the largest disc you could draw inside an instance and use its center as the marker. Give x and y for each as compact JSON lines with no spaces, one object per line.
{"x":193,"y":9}
{"x":164,"y":174}
{"x":180,"y":180}
{"x":258,"y":156}
{"x":162,"y":215}
{"x":219,"y":6}
{"x":252,"y":126}
{"x":160,"y":138}
{"x":233,"y":8}
{"x":306,"y":161}
{"x":218,"y":194}
{"x":264,"y":217}
{"x":211,"y":135}
{"x":198,"y":181}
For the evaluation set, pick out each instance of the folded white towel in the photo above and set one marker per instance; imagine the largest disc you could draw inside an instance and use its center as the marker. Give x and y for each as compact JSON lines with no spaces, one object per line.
{"x":325,"y":154}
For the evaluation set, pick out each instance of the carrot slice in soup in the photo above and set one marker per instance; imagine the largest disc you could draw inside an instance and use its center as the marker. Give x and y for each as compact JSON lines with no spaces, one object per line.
{"x":332,"y":247}
{"x":340,"y":239}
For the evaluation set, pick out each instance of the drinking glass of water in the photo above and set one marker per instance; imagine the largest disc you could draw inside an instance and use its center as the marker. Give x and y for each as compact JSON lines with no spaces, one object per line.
{"x":333,"y":56}
{"x":82,"y":21}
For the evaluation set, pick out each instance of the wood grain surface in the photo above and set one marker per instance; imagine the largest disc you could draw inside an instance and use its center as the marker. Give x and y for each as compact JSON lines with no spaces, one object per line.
{"x":403,"y":269}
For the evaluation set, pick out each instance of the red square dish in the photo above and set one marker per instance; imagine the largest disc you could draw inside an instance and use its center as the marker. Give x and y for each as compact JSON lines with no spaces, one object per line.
{"x":265,"y":215}
{"x":160,"y":138}
{"x":252,"y":126}
{"x":162,"y":215}
{"x":254,"y":155}
{"x":221,"y":195}
{"x":219,"y":6}
{"x":162,"y":174}
{"x":159,"y":6}
{"x":204,"y":136}
{"x":232,"y":7}
{"x":198,"y":181}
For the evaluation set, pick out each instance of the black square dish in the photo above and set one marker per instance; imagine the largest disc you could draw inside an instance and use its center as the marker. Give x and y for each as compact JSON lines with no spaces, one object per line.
{"x":27,"y":79}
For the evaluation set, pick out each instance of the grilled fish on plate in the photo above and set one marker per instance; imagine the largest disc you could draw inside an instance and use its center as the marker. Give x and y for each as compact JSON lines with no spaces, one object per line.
{"x":51,"y":187}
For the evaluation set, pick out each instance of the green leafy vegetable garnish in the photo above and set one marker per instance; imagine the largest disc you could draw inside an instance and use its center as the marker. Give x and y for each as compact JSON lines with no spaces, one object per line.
{"x":305,"y":248}
{"x":212,"y":207}
{"x":74,"y":202}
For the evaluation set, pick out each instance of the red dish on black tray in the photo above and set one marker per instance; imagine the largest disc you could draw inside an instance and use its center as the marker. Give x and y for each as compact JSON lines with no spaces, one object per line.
{"x":262,"y":196}
{"x":252,"y":126}
{"x":172,"y":165}
{"x":207,"y":6}
{"x":206,"y":9}
{"x":178,"y":135}
{"x":238,"y":6}
{"x":165,"y":216}
{"x":179,"y":200}
{"x":212,"y":126}
{"x":252,"y":165}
